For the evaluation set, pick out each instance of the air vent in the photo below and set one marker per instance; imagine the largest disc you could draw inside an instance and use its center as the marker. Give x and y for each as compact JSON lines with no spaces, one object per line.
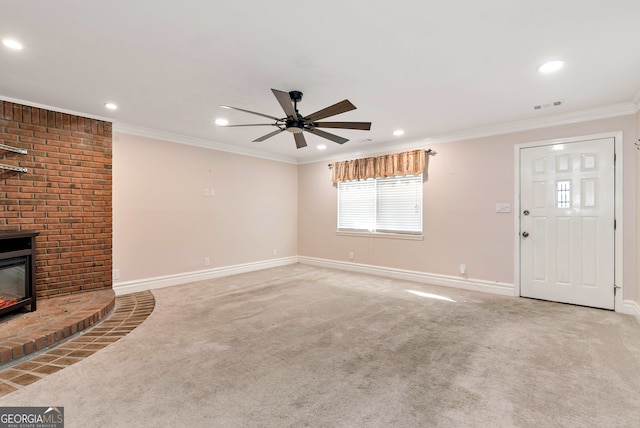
{"x":548,"y":105}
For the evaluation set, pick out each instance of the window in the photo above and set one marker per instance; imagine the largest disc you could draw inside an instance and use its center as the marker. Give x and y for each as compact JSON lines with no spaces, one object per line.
{"x":381,"y":205}
{"x":564,"y":193}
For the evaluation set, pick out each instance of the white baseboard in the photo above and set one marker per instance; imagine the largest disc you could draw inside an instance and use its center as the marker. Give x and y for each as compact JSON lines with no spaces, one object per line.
{"x":496,"y":287}
{"x":629,"y":306}
{"x":134,"y":286}
{"x":632,"y":308}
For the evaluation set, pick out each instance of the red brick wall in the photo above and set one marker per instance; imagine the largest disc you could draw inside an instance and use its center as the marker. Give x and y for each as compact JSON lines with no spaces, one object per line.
{"x":65,"y":195}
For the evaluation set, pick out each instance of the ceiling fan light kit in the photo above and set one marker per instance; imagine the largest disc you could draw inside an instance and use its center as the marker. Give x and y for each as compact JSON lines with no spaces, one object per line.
{"x":296,"y":123}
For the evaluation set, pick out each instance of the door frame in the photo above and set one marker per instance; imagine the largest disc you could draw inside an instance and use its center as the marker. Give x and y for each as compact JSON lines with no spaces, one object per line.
{"x":619,"y":231}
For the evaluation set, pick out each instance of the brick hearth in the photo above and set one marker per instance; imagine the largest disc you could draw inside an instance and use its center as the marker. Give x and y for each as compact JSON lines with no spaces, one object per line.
{"x":58,"y":318}
{"x":130,"y":311}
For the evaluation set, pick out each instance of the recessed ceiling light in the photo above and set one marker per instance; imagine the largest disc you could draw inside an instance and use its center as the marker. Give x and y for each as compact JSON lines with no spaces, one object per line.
{"x":111,"y":106}
{"x":12,"y":44}
{"x":550,"y":67}
{"x":322,"y":146}
{"x":398,"y":132}
{"x":222,"y":122}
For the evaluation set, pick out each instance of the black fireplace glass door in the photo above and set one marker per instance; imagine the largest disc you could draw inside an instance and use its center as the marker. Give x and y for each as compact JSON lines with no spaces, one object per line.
{"x":13,"y":281}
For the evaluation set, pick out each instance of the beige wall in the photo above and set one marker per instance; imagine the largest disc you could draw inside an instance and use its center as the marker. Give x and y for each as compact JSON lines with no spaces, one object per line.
{"x":465,"y":181}
{"x":637,"y":213}
{"x":163,"y":225}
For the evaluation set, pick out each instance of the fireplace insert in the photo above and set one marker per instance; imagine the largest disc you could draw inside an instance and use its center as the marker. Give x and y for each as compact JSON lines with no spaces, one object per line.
{"x":17,"y":271}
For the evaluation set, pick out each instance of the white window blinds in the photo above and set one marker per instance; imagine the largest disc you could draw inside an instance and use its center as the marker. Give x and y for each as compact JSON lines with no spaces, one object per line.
{"x":382,"y":205}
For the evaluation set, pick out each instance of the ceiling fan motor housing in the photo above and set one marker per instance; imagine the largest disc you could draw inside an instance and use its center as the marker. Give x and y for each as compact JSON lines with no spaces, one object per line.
{"x":295,"y":126}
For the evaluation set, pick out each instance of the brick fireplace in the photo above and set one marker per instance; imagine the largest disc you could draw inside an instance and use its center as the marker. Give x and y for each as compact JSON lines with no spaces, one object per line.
{"x":65,"y":195}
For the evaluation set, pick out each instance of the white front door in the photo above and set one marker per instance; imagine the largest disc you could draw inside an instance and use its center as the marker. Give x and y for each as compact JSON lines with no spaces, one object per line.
{"x":567,"y":201}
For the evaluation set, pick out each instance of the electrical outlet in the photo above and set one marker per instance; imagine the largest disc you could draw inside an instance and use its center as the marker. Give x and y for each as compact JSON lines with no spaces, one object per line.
{"x":116,"y":274}
{"x":205,"y":192}
{"x":207,"y":261}
{"x":275,"y":251}
{"x":351,"y":255}
{"x":463,"y":269}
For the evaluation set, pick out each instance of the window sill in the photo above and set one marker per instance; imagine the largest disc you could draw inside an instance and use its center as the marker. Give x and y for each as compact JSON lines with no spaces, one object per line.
{"x":404,"y":236}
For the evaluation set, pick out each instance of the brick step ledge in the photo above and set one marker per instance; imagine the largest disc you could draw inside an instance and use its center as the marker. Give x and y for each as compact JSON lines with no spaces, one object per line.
{"x":56,"y":319}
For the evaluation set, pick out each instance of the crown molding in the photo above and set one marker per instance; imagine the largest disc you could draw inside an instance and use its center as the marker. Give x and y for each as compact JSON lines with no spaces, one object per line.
{"x":604,"y":112}
{"x":52,"y":108}
{"x":140,"y":131}
{"x":569,"y":118}
{"x":636,"y":101}
{"x":587,"y":115}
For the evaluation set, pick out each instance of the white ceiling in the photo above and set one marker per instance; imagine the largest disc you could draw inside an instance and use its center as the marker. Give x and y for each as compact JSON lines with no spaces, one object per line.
{"x":432,"y":68}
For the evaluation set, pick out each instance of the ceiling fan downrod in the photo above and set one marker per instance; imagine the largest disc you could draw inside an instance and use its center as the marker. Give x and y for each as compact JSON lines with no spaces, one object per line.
{"x":296,"y":124}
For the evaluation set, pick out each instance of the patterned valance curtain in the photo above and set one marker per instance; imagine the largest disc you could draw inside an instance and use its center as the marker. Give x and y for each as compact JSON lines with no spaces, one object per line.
{"x":397,"y":164}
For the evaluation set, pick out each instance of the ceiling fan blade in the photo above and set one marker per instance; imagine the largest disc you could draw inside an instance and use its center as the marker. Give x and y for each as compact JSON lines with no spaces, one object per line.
{"x":269,"y":135}
{"x":327,"y":135}
{"x":248,"y":124}
{"x":285,"y":102}
{"x":300,"y":141}
{"x":251,"y":112}
{"x":341,"y":107}
{"x":366,"y":126}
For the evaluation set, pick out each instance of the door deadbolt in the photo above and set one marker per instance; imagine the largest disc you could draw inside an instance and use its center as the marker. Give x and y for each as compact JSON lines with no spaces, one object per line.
{"x":526,"y":212}
{"x":525,"y":234}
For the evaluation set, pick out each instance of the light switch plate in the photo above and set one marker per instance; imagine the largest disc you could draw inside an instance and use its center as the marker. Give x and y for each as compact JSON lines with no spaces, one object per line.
{"x":503,"y":207}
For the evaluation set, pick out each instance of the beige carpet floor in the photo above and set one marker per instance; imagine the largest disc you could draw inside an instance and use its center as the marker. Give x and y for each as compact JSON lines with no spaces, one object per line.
{"x":301,"y":346}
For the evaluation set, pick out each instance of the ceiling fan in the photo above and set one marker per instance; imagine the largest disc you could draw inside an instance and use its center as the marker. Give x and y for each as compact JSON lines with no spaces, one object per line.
{"x":296,"y":123}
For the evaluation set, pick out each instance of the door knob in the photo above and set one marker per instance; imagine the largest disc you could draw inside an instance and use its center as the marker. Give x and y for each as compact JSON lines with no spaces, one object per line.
{"x":525,"y":234}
